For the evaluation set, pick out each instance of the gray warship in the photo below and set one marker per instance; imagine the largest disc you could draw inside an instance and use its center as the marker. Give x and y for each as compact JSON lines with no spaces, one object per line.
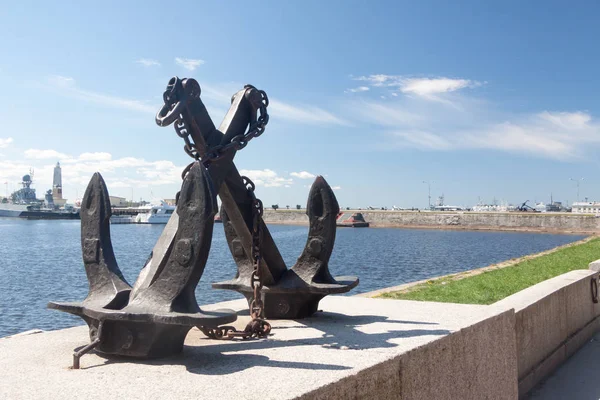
{"x":23,"y":203}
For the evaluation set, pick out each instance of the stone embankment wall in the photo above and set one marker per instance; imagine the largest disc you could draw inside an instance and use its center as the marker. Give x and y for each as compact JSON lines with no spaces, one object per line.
{"x":553,"y":319}
{"x":510,"y":221}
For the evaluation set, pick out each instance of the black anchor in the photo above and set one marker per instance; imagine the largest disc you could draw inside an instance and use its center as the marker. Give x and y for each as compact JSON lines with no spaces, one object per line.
{"x":287,"y":293}
{"x":153,"y":318}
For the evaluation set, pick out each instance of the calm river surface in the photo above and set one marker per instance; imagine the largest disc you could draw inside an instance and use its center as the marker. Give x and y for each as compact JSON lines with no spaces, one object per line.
{"x":41,"y":261}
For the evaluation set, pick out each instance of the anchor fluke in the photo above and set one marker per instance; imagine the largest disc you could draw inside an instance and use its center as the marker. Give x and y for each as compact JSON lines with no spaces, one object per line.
{"x":154,"y":322}
{"x":107,"y":286}
{"x":298,"y":291}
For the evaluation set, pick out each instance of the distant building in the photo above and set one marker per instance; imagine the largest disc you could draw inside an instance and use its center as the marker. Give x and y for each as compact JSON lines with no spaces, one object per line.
{"x":118,"y":201}
{"x":57,"y":187}
{"x":592,"y":207}
{"x":555,"y":207}
{"x":57,"y":182}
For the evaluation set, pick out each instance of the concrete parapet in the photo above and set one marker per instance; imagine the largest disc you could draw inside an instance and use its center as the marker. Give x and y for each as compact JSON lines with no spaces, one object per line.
{"x":356,"y":348}
{"x":552,"y":320}
{"x":477,"y":362}
{"x":595,"y":266}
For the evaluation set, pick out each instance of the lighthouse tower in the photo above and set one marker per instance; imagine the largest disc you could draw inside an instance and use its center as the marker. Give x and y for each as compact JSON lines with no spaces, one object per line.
{"x":57,"y":187}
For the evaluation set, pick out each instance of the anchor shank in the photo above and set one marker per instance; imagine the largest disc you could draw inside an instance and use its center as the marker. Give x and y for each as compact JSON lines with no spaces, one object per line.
{"x":235,"y":198}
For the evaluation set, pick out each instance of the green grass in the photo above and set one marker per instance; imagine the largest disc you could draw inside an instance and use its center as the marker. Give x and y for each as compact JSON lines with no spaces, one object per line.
{"x":491,"y":286}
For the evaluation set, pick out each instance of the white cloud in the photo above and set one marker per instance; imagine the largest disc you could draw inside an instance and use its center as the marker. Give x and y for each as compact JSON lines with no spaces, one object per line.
{"x":555,"y":135}
{"x":95,"y":156}
{"x":473,"y":123}
{"x":336,"y":187}
{"x":427,"y":87}
{"x":61,"y":81}
{"x":5,"y":142}
{"x":379,"y":80}
{"x":189,"y":63}
{"x":148,"y":62}
{"x":66,"y":86}
{"x":304,"y":114}
{"x":36,"y":154}
{"x":383,"y":113}
{"x":357,"y":89}
{"x":121,"y":173}
{"x":526,"y":137}
{"x":302,"y":175}
{"x":567,"y":120}
{"x":266,"y":178}
{"x":422,"y":140}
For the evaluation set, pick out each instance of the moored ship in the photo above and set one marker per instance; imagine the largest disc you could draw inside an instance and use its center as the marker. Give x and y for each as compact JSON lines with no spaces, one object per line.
{"x":156,"y":214}
{"x":26,"y":205}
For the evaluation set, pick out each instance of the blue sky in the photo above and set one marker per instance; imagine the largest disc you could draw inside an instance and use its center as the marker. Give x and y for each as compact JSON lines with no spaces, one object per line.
{"x":483,"y":99}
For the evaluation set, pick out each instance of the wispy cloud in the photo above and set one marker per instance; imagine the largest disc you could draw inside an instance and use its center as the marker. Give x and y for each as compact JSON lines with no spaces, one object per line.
{"x":98,"y":156}
{"x":302,"y":175}
{"x":304,"y":114}
{"x":37,"y":154}
{"x":357,"y":89}
{"x":555,"y":135}
{"x":61,"y":81}
{"x":421,"y":140}
{"x":428,"y":88}
{"x":384,"y":113}
{"x":189,"y":63}
{"x":148,"y":62}
{"x":67,"y":86}
{"x":336,"y":187}
{"x":410,"y":120}
{"x":5,"y":142}
{"x":266,"y":178}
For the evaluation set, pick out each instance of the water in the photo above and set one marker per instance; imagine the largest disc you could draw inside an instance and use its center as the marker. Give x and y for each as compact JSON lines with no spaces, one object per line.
{"x":41,"y":261}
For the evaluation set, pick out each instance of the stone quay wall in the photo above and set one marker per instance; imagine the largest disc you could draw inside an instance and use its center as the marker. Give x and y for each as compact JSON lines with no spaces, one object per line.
{"x":509,"y":221}
{"x":553,"y":319}
{"x":357,"y":348}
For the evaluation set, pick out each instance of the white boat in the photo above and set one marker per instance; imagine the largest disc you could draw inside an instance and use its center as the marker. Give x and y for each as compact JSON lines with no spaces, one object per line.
{"x":156,"y":214}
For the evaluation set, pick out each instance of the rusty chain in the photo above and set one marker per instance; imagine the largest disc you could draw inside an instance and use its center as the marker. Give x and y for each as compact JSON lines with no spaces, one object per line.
{"x":257,"y":327}
{"x":237,"y":143}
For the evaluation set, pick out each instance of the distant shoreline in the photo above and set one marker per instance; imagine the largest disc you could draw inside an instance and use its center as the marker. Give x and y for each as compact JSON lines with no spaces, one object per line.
{"x":552,"y":223}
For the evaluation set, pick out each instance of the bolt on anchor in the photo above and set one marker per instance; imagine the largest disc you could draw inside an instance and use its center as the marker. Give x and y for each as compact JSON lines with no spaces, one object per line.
{"x":272,"y":290}
{"x":153,"y":318}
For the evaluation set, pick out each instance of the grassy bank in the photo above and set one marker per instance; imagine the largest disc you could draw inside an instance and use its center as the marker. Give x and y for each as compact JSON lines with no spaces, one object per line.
{"x":491,"y":286}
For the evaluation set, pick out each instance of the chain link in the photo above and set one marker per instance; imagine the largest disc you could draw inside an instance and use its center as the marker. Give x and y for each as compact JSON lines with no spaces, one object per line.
{"x":237,"y":143}
{"x":257,"y":327}
{"x":217,"y":152}
{"x":256,"y":305}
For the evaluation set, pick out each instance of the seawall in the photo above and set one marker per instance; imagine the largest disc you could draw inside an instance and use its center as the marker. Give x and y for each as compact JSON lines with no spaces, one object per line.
{"x":509,"y":221}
